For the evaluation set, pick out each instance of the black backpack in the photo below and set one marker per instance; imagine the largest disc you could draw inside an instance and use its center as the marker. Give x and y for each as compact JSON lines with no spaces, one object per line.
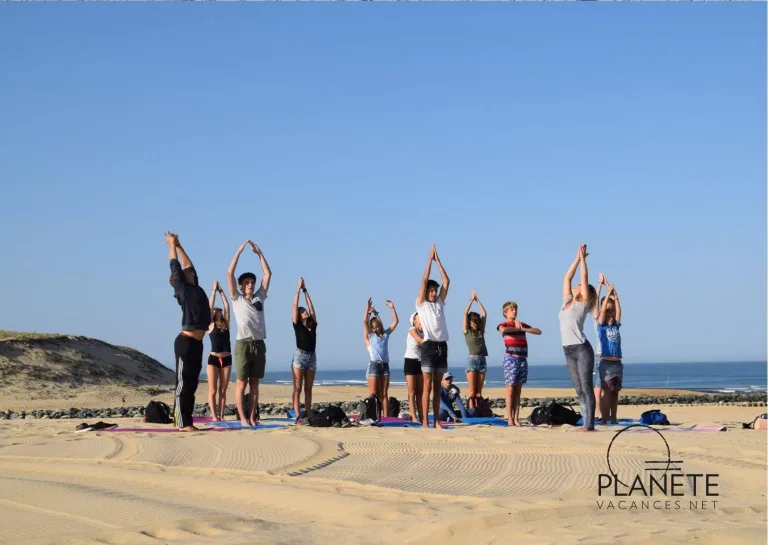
{"x":369,"y":408}
{"x":394,"y":407}
{"x":482,"y":407}
{"x":158,"y":412}
{"x":554,"y":414}
{"x":336,"y":416}
{"x":314,"y":419}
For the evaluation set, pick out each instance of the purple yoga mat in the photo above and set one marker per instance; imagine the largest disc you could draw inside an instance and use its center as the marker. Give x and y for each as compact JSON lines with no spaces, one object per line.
{"x":158,"y":430}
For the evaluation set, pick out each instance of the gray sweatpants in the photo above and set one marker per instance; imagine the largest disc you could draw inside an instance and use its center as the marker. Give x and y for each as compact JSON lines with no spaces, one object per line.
{"x":580,"y":359}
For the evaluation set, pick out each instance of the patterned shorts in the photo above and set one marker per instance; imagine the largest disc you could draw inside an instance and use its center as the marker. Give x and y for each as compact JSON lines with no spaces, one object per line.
{"x":515,"y":369}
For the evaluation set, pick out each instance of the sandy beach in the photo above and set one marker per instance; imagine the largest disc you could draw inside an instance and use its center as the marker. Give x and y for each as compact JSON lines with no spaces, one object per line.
{"x":369,"y":485}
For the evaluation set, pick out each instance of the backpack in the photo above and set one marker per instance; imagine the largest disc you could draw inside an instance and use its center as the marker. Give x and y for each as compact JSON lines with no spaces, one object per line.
{"x":336,"y":416}
{"x":751,"y":425}
{"x":158,"y":412}
{"x":554,"y":414}
{"x":654,"y":417}
{"x":393,"y":406}
{"x":482,"y":407}
{"x":369,"y":408}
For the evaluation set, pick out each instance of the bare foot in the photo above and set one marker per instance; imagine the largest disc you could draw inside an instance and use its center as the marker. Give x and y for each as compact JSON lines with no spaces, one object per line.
{"x":189,"y":428}
{"x":438,"y":424}
{"x":510,"y":422}
{"x":244,"y":423}
{"x":517,"y":423}
{"x":581,"y":430}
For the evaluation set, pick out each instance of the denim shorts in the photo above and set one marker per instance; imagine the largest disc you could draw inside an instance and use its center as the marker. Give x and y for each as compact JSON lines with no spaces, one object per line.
{"x":307,"y":361}
{"x":476,"y":364}
{"x":434,"y":357}
{"x":377,"y":369}
{"x":611,"y":374}
{"x":515,"y":369}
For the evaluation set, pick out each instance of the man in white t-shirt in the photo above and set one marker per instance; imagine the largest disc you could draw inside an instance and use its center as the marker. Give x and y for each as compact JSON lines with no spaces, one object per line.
{"x":434,"y":350}
{"x":250,"y":348}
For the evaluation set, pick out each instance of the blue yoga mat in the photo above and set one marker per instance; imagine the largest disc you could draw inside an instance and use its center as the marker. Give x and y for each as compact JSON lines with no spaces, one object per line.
{"x":622,"y":422}
{"x":238,"y":426}
{"x":398,"y":425}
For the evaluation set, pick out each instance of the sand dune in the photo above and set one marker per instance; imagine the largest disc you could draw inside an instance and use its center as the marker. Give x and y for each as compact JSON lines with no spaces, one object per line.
{"x":363,"y":485}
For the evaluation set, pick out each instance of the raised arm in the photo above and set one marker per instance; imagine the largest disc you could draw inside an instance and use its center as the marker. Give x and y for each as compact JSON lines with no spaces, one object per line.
{"x":176,"y":275}
{"x":568,"y":278}
{"x":233,"y":293}
{"x":395,"y":319}
{"x":617,"y":304}
{"x":186,"y":263}
{"x":224,"y":302}
{"x":296,"y":300}
{"x":600,"y":282}
{"x":425,"y":278}
{"x":443,"y":277}
{"x":483,"y":313}
{"x":266,"y":272}
{"x":310,"y":306}
{"x":584,"y":275}
{"x":604,"y":308}
{"x":212,"y":298}
{"x":465,"y":318}
{"x":366,"y":325}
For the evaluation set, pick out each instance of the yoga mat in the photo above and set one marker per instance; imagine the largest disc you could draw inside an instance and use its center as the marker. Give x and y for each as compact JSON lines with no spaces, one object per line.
{"x":155,"y":430}
{"x":622,"y":422}
{"x":493,"y":421}
{"x":697,"y":427}
{"x":200,"y":419}
{"x":398,"y":424}
{"x":232,"y":425}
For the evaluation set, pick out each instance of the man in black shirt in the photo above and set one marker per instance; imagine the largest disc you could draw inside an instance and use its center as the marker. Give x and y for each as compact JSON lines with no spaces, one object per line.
{"x":195,"y":319}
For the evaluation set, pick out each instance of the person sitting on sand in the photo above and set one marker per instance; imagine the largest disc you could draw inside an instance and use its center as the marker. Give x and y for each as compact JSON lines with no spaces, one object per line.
{"x":450,"y":395}
{"x":304,"y":358}
{"x":579,"y":355}
{"x":434,"y":350}
{"x":610,"y":368}
{"x":515,"y":358}
{"x":220,"y":359}
{"x":250,"y":348}
{"x":474,"y":334}
{"x":412,"y":368}
{"x":195,"y":319}
{"x":377,"y":342}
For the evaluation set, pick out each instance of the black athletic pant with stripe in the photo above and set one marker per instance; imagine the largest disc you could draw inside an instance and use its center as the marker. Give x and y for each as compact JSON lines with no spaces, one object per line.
{"x":189,"y":363}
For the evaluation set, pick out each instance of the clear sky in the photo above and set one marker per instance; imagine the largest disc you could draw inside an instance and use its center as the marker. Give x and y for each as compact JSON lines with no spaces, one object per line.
{"x":346,"y":138}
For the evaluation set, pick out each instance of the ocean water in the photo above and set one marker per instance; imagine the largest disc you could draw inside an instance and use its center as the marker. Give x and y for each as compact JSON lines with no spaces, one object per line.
{"x":706,"y":377}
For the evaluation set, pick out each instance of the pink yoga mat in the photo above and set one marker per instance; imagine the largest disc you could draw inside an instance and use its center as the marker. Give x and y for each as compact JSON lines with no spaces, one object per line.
{"x":200,"y":419}
{"x":158,"y":430}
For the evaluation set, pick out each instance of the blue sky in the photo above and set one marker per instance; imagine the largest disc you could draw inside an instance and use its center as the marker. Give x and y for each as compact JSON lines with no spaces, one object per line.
{"x":346,"y":138}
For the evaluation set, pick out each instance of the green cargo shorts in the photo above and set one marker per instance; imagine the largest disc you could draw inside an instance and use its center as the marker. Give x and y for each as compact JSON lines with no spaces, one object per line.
{"x":250,"y":359}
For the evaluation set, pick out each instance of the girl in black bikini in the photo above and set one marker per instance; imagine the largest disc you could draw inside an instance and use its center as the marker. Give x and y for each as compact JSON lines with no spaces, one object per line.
{"x":220,"y":360}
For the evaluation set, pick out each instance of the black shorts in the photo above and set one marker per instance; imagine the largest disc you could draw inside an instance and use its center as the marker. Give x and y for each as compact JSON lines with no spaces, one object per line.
{"x":412,"y":367}
{"x":220,"y":363}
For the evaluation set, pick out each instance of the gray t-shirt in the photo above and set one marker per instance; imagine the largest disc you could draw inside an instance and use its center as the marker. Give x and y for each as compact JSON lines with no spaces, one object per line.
{"x":572,"y":322}
{"x":250,"y":315}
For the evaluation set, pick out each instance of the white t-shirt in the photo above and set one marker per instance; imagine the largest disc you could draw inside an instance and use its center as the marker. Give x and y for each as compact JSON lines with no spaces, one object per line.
{"x":432,"y":316}
{"x":250,"y":315}
{"x":412,"y":347}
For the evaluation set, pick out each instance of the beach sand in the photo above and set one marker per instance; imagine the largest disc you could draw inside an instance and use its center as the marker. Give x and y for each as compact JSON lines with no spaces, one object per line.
{"x":472,"y":484}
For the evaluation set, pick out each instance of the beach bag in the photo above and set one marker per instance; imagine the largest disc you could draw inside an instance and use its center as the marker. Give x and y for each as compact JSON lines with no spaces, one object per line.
{"x":482,"y":407}
{"x":318,"y":419}
{"x":369,"y":408}
{"x":336,"y":416}
{"x":394,"y":407}
{"x":158,"y":412}
{"x":559,"y":414}
{"x":539,"y":416}
{"x":654,"y":417}
{"x":751,"y":425}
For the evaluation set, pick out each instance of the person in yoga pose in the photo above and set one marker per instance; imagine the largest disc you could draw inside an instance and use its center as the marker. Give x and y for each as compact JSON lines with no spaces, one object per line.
{"x":610,"y":367}
{"x":601,"y":281}
{"x":578,"y":301}
{"x":474,"y":335}
{"x":377,"y":341}
{"x":430,"y":304}
{"x":195,"y":319}
{"x":250,"y":348}
{"x":304,"y":359}
{"x":412,"y":368}
{"x":450,"y":395}
{"x":220,"y":359}
{"x":515,"y":358}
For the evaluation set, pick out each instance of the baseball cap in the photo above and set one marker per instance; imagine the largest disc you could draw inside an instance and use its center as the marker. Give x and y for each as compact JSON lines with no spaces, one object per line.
{"x":447,"y":375}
